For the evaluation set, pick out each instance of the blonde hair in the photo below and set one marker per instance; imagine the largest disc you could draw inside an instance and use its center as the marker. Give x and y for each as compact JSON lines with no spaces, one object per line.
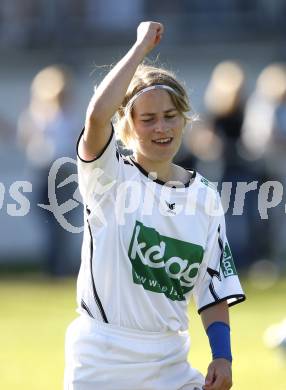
{"x":146,"y":76}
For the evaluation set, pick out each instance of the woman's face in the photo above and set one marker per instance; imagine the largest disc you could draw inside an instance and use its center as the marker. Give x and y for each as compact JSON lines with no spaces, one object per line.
{"x":158,"y":126}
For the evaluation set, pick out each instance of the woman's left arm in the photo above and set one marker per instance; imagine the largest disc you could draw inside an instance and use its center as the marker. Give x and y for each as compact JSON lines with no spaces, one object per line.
{"x":216,"y":323}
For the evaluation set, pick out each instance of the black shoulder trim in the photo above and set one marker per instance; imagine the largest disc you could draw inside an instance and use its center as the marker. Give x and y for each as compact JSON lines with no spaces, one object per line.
{"x":103,"y":150}
{"x":239,"y":298}
{"x":161,"y":182}
{"x":126,"y":161}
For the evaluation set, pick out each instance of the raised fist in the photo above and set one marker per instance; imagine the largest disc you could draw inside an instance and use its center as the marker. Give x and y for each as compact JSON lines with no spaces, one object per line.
{"x":149,"y":34}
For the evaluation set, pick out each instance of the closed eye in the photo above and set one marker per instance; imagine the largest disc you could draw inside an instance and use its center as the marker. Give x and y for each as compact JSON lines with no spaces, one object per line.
{"x":151,"y":119}
{"x":147,"y":120}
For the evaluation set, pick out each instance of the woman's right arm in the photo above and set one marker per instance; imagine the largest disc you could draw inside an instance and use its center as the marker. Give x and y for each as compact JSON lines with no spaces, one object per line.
{"x":110,"y":93}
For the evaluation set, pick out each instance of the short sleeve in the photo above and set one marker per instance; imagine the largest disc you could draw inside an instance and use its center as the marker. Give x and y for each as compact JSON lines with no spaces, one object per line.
{"x":98,"y":176}
{"x":218,"y":280}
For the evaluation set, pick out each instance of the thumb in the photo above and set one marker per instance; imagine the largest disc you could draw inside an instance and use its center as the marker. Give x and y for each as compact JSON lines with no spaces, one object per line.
{"x":210,"y":376}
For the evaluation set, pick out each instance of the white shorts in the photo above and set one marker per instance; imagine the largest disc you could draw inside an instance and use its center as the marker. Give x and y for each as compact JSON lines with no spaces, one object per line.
{"x":106,"y":357}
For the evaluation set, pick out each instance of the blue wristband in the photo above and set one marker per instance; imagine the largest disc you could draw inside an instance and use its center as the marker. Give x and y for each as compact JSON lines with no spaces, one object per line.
{"x":219,"y":338}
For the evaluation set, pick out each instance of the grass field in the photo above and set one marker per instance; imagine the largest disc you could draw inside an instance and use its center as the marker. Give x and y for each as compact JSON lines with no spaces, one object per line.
{"x":35,"y":313}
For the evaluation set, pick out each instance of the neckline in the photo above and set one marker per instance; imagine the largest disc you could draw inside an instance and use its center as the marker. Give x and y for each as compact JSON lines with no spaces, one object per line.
{"x":161,"y":182}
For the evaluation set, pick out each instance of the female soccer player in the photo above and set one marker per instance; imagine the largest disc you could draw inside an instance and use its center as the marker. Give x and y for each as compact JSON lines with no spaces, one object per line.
{"x":153,"y":238}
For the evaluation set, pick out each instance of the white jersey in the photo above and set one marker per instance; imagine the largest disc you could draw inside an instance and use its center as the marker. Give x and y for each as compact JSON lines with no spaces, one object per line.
{"x":148,"y":247}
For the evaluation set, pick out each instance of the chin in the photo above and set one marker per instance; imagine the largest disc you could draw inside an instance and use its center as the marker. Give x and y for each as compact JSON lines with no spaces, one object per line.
{"x":153,"y":154}
{"x":167,"y":155}
{"x":161,"y":157}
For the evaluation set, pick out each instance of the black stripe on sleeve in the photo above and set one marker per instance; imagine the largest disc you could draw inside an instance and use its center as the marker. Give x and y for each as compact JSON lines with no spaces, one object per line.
{"x":85,"y":307}
{"x":213,"y":292}
{"x":220,"y":243}
{"x":213,"y":274}
{"x":95,"y":294}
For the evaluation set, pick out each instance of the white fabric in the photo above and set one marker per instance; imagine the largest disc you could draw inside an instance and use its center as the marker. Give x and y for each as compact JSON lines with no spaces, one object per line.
{"x":120,"y":263}
{"x":102,"y":356}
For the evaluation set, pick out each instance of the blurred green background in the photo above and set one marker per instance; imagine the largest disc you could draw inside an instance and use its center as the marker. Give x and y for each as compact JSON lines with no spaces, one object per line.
{"x":35,"y":312}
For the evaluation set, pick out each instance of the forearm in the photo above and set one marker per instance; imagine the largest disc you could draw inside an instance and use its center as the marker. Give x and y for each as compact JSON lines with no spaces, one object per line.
{"x":111,"y":91}
{"x":216,"y":323}
{"x":216,"y":313}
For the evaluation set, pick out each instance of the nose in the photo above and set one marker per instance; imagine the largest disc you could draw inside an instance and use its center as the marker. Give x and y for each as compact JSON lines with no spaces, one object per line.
{"x":161,"y":126}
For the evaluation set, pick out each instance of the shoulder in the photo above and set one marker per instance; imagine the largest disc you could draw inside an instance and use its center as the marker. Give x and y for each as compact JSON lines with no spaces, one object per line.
{"x":208,"y":192}
{"x":183,"y":175}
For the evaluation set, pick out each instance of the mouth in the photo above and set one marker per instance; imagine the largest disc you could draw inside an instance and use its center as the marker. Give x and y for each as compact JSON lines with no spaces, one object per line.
{"x":163,"y":141}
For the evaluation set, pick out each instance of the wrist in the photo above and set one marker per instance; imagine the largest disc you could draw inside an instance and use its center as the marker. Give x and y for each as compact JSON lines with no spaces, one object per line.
{"x":141,"y":49}
{"x":224,"y":361}
{"x":219,"y":339}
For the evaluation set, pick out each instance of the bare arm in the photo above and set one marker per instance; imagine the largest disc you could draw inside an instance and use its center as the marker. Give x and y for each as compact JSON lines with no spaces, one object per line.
{"x":215,"y":313}
{"x":219,"y":376}
{"x":110,"y":93}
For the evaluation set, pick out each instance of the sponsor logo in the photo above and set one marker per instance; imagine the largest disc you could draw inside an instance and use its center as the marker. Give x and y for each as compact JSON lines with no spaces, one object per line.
{"x":163,"y":264}
{"x":227,"y":263}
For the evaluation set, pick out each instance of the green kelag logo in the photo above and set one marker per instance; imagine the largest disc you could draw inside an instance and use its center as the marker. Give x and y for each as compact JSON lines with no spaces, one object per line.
{"x":162,"y":264}
{"x":227,"y":264}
